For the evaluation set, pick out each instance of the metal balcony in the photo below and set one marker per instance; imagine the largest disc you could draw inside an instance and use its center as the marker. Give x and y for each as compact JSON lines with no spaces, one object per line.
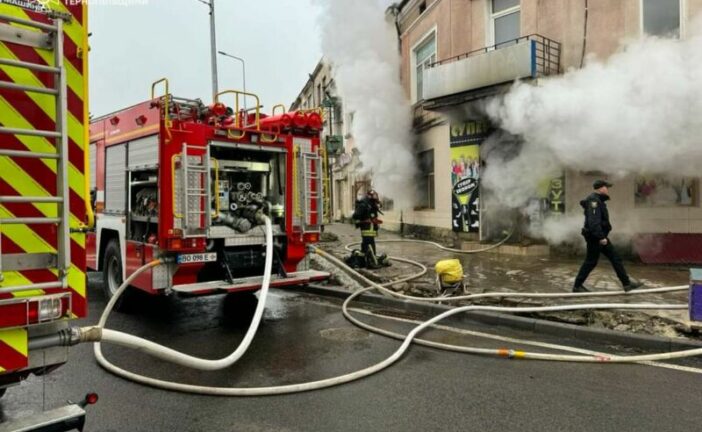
{"x":528,"y":57}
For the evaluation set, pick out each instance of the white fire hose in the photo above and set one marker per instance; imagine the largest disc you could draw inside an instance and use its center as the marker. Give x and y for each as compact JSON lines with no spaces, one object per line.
{"x":596,"y":358}
{"x":100,"y":333}
{"x":176,"y":357}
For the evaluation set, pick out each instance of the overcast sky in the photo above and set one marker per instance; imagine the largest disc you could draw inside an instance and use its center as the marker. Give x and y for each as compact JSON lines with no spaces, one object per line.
{"x":132,"y":46}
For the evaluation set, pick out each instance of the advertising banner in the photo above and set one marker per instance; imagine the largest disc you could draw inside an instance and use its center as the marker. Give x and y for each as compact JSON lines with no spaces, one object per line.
{"x":465,"y":174}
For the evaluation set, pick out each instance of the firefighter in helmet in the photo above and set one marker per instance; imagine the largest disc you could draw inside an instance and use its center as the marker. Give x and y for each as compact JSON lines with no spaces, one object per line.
{"x":366,"y":218}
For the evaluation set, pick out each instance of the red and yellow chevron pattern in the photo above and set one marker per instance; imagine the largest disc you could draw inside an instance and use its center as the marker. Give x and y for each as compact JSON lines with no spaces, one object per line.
{"x":37,"y":177}
{"x":14,"y":354}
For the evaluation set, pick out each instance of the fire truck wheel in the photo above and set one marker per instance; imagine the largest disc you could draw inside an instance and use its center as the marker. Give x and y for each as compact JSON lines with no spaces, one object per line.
{"x":112,"y":274}
{"x":2,"y":392}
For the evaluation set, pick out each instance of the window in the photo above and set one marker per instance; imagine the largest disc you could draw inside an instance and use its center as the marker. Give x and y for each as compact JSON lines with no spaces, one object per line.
{"x":505,"y":16}
{"x":424,"y":55}
{"x":661,"y":17}
{"x":348,"y":125}
{"x":426,"y":179}
{"x":422,"y":7}
{"x":338,"y":114}
{"x":388,"y":204}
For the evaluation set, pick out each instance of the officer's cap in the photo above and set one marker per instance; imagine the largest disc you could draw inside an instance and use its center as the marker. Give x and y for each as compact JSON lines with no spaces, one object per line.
{"x":600,"y":183}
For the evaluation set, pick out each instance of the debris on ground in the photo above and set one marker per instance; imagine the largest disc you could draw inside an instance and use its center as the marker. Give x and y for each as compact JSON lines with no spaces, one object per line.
{"x":493,"y":272}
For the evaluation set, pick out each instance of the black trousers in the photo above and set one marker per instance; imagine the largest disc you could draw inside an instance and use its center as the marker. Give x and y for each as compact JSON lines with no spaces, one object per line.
{"x":367,"y":243}
{"x":594,"y":249}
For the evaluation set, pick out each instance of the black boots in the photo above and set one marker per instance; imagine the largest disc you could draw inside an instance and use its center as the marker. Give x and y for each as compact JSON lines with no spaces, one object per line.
{"x":632,"y":285}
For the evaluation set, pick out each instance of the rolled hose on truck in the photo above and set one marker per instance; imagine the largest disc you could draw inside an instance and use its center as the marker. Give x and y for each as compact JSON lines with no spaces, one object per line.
{"x":101,"y":334}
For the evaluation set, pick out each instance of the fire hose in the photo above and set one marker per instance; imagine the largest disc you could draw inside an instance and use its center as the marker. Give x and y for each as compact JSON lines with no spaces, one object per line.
{"x":510,"y":353}
{"x":100,"y":333}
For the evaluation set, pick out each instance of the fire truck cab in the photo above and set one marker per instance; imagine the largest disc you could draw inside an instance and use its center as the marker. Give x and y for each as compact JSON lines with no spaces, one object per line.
{"x":177,"y":178}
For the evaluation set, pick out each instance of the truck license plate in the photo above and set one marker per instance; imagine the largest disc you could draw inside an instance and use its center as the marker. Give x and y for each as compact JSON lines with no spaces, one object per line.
{"x":197,"y":258}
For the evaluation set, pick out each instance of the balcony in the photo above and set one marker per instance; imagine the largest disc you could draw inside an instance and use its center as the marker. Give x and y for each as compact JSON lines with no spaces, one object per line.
{"x":474,"y":74}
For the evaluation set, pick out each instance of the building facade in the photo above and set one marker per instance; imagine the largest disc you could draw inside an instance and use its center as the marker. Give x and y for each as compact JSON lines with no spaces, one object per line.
{"x":319,"y":93}
{"x":345,"y":178}
{"x":456,"y":54}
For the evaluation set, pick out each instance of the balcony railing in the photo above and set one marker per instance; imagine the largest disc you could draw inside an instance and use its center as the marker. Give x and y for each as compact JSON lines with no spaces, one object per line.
{"x":526,"y":57}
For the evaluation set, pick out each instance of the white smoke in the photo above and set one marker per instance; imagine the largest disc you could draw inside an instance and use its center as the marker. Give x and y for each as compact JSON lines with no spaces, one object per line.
{"x":560,"y":229}
{"x":362,"y":48}
{"x":636,"y":112}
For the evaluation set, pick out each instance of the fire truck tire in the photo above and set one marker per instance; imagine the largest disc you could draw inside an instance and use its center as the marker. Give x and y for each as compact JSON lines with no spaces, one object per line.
{"x":112,"y":275}
{"x":2,"y":392}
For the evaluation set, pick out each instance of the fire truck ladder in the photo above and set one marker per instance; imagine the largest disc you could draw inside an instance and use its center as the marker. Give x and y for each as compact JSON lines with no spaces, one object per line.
{"x":195,"y":194}
{"x":312,"y":190}
{"x":49,"y":37}
{"x":326,"y":185}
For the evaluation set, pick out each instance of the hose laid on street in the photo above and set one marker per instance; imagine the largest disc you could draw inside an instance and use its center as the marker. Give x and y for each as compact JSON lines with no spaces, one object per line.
{"x":173,"y":356}
{"x":507,"y":352}
{"x":176,"y":357}
{"x":509,"y":235}
{"x":517,"y":354}
{"x":381,"y":287}
{"x":189,"y":361}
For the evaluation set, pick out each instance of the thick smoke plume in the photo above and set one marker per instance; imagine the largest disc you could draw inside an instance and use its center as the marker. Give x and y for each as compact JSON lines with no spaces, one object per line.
{"x":636,"y":112}
{"x":362,"y":49}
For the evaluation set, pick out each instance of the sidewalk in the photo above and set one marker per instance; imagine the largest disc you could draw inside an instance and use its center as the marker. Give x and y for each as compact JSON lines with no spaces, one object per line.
{"x":495,"y":272}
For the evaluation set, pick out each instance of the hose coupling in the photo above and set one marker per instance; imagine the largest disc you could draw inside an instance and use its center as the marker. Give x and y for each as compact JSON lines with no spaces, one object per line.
{"x":511,"y":354}
{"x":89,"y":334}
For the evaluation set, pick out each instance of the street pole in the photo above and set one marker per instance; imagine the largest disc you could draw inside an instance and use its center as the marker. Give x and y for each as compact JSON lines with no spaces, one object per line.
{"x":213,"y":47}
{"x":213,"y":43}
{"x":243,"y":67}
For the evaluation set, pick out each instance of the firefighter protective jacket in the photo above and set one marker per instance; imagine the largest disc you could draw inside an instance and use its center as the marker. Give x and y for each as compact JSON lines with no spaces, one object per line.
{"x":365,"y":214}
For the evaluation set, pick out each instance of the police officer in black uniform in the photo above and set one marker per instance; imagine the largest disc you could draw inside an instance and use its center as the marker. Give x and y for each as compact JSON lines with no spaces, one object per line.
{"x":596,"y":231}
{"x":366,"y":217}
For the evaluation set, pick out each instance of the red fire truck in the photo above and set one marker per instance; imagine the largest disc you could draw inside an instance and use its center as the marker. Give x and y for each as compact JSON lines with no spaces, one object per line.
{"x":176,"y":177}
{"x":44,"y":205}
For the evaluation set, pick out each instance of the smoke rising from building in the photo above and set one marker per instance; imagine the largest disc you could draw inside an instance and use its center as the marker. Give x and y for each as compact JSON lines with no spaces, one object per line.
{"x":636,"y":112}
{"x":362,"y":49}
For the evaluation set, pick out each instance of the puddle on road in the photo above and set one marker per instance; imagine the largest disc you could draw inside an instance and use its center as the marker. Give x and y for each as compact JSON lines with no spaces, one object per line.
{"x":344,"y":334}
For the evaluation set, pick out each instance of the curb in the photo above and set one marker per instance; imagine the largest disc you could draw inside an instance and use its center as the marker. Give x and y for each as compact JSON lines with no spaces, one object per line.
{"x":589,"y":334}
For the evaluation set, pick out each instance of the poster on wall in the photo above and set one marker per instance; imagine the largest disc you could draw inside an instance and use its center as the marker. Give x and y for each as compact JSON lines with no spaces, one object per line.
{"x":548,"y":201}
{"x":465,"y":174}
{"x":662,"y":191}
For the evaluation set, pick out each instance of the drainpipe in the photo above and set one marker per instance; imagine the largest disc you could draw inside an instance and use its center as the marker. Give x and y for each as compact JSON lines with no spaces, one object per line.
{"x":402,"y":223}
{"x":393,"y":12}
{"x":582,"y":56}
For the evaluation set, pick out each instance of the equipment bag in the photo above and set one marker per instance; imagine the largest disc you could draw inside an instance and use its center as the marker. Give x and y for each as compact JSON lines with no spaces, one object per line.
{"x":449,"y":272}
{"x":356,"y":260}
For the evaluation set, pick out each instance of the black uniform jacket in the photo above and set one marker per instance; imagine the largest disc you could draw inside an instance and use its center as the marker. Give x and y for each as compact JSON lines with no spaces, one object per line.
{"x":597,"y":225}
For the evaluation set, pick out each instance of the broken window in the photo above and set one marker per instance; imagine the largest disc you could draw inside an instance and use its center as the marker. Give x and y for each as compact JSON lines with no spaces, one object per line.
{"x":426,"y":180}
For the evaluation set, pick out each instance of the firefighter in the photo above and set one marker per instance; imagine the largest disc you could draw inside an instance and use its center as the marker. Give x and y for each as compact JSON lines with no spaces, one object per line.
{"x":366,"y":218}
{"x":596,"y":232}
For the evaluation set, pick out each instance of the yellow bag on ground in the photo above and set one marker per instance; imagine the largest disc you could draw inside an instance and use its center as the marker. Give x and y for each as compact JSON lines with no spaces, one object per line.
{"x":449,"y":271}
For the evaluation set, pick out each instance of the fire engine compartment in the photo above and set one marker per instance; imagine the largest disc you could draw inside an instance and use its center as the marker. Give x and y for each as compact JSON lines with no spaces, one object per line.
{"x":245,"y":184}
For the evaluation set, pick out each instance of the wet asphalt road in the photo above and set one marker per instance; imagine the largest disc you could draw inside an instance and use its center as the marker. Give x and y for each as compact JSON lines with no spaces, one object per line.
{"x":306,"y":338}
